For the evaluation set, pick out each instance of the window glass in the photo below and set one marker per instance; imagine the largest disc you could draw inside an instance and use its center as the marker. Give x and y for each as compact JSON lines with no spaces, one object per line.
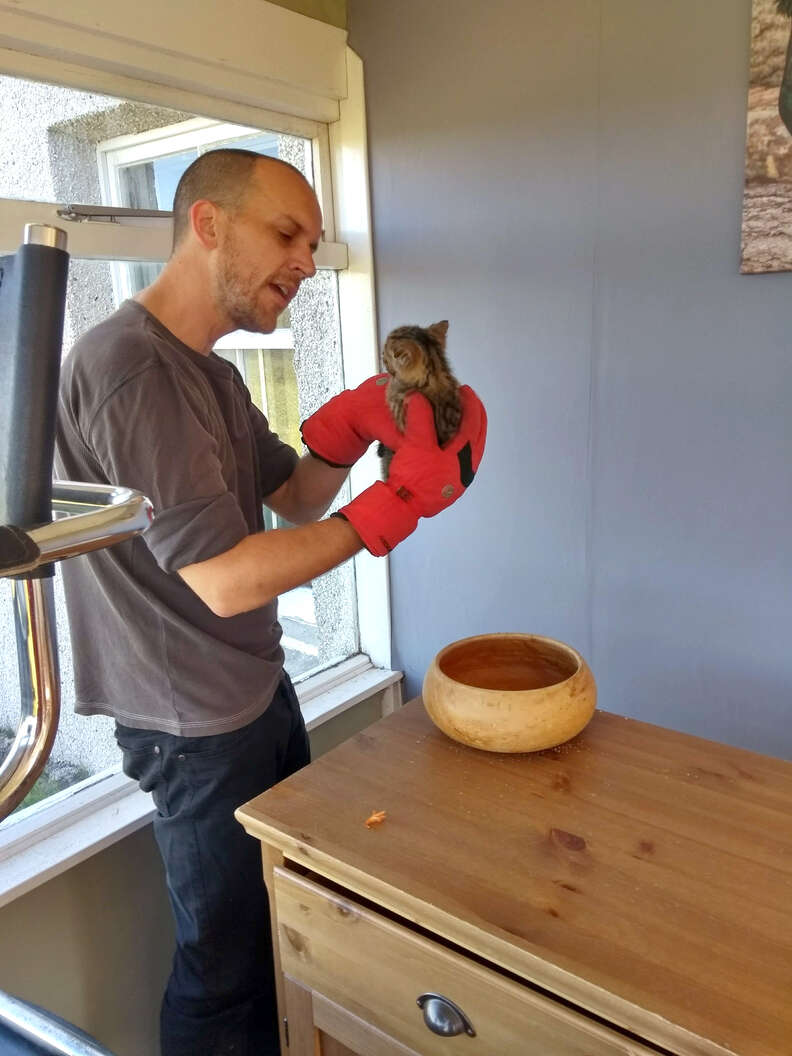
{"x":62,"y":145}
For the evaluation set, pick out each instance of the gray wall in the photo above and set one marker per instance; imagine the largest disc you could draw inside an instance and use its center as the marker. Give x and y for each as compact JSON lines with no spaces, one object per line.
{"x":563,"y":182}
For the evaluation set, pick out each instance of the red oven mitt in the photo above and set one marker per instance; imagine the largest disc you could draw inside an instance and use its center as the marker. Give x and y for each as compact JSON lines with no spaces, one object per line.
{"x":424,"y":478}
{"x":342,"y":429}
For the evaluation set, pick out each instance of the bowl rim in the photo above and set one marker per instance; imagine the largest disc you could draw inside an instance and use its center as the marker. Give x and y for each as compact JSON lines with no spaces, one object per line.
{"x":563,"y":646}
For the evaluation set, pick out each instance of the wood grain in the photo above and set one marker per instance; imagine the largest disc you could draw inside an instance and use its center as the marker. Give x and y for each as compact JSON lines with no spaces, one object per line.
{"x":378,"y":969}
{"x":330,"y":1046}
{"x":640,"y":873}
{"x":303,"y":1036}
{"x":509,"y":692}
{"x":271,"y":857}
{"x":351,"y":1035}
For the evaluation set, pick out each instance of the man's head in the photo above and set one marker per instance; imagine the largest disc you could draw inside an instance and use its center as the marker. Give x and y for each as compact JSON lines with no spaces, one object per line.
{"x":255,"y":223}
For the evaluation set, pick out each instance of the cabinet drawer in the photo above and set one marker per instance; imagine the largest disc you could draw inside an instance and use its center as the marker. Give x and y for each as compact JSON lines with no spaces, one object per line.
{"x":378,"y":969}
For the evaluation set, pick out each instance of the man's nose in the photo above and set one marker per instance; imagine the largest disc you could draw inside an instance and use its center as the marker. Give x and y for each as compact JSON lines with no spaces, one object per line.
{"x":305,"y":264}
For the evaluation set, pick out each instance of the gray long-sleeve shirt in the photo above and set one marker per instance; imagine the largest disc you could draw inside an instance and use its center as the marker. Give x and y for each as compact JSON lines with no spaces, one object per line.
{"x":141,"y":409}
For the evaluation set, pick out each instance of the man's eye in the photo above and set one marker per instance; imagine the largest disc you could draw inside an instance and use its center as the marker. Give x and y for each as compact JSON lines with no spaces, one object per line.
{"x":288,"y":235}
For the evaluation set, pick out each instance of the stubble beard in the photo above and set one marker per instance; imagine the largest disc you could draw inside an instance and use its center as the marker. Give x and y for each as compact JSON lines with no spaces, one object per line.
{"x":238,"y":295}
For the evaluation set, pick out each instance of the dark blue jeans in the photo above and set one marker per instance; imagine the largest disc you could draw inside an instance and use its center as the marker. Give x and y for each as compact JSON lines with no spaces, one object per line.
{"x":220,"y":998}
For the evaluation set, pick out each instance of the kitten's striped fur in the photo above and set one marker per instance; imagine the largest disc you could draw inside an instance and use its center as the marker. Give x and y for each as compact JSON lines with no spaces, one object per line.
{"x":415,"y":357}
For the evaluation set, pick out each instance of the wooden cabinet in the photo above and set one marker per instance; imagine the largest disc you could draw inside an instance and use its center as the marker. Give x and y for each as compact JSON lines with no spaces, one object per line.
{"x":356,"y":959}
{"x":625,"y":895}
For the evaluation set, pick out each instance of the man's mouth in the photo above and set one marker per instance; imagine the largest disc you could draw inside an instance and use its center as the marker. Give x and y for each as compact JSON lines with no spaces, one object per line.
{"x":284,"y":292}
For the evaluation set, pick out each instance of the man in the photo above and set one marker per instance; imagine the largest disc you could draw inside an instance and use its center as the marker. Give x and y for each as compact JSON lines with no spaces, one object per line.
{"x":175,"y":632}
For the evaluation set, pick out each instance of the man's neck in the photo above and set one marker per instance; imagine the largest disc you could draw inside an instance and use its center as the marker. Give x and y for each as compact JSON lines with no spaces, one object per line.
{"x":181,"y":303}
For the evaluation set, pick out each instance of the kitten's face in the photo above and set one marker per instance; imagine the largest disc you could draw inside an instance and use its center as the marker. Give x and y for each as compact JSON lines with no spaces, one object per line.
{"x":408,"y":352}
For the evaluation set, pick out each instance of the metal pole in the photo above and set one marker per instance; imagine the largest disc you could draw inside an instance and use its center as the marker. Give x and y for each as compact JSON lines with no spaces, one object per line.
{"x":52,"y":1035}
{"x":108,"y":515}
{"x":96,"y":516}
{"x":39,"y":683}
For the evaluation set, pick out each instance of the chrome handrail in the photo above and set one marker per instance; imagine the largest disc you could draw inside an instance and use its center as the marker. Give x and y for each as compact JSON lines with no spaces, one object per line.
{"x":96,"y":515}
{"x":54,"y":1036}
{"x":34,"y":623}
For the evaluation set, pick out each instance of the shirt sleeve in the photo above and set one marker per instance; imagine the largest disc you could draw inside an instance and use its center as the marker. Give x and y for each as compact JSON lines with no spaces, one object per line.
{"x":277,"y":460}
{"x":147,"y":435}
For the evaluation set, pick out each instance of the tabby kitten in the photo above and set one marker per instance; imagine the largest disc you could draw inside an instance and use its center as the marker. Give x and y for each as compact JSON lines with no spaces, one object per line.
{"x":416,"y":360}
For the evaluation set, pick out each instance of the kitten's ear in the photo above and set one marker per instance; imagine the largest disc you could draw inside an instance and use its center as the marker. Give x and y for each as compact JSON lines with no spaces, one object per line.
{"x":439,"y":331}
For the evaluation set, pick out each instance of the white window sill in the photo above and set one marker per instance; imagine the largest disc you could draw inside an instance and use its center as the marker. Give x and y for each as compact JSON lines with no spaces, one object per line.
{"x":74,"y":827}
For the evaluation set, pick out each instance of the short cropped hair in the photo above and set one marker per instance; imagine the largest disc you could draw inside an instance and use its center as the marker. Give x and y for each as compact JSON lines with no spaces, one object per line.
{"x":221,"y":176}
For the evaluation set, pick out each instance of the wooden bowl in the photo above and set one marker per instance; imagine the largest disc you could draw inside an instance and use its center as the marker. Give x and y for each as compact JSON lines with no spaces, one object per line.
{"x":509,"y":692}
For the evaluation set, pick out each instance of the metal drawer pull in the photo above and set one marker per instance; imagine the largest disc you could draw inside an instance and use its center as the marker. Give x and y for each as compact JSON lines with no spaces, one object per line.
{"x":444,"y":1017}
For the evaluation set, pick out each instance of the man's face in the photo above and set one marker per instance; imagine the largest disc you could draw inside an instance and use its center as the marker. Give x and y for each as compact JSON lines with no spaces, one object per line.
{"x":265,"y":248}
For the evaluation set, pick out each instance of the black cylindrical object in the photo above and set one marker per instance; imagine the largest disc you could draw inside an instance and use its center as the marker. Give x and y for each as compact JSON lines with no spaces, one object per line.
{"x":32,"y":306}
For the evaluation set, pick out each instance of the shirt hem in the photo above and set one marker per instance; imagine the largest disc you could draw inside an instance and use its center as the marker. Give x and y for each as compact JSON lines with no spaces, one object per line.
{"x":196,"y":728}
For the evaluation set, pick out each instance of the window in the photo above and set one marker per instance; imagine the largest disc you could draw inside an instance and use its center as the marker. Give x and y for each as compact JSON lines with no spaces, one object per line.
{"x":81,"y":147}
{"x":141,"y":171}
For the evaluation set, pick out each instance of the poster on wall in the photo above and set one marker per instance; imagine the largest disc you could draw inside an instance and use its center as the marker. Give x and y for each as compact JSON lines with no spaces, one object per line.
{"x":767,"y":201}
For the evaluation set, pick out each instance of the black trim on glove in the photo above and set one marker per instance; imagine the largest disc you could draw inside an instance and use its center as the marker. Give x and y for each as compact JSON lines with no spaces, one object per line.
{"x":466,"y":471}
{"x":327,"y":462}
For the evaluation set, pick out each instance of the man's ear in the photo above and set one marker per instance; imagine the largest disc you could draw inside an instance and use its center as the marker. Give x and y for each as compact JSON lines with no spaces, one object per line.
{"x":204,"y":222}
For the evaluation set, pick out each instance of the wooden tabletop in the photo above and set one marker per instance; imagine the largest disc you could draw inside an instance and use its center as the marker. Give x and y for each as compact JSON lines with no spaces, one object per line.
{"x":640,"y":873}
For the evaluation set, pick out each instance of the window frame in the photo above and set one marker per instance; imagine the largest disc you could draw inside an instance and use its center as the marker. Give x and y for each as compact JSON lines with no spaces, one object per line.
{"x":139,"y":147}
{"x":340,"y":170}
{"x":83,"y":820}
{"x":113,"y":154}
